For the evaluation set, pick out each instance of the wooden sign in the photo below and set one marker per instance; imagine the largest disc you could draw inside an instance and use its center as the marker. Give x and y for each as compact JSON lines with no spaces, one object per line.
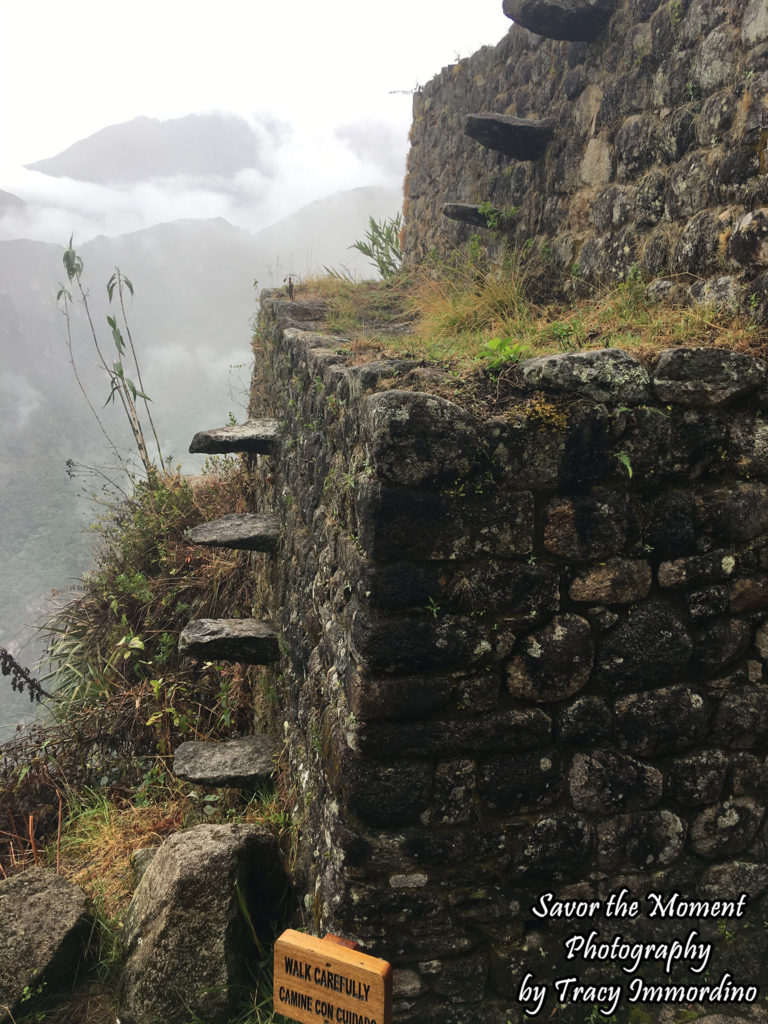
{"x":324,"y":981}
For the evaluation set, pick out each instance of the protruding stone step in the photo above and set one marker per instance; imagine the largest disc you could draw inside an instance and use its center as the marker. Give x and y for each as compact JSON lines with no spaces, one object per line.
{"x":469,"y":214}
{"x":249,"y":532}
{"x":255,"y":436}
{"x":514,"y":136}
{"x":244,"y":763}
{"x":247,"y":640}
{"x":575,"y":20}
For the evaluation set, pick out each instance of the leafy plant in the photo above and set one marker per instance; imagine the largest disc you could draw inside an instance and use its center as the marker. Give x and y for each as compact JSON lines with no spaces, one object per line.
{"x":121,"y":387}
{"x":499,"y":352}
{"x":496,"y":219}
{"x":382,"y":246}
{"x":624,"y":459}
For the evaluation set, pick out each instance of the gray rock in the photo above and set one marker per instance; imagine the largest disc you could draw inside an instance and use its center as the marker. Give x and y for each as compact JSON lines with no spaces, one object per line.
{"x":602,"y":375}
{"x":255,"y":436}
{"x":246,"y":640}
{"x":244,"y":762}
{"x":646,"y":840}
{"x":722,"y":292}
{"x":517,"y":137}
{"x":727,"y":828}
{"x":575,"y":20}
{"x":661,"y":721}
{"x":748,"y":244}
{"x":616,"y":581}
{"x":706,"y":376}
{"x":606,"y":783}
{"x":417,"y":438}
{"x":467,"y":213}
{"x":186,"y":938}
{"x":587,"y":526}
{"x":728,"y":881}
{"x":45,"y":925}
{"x":754,"y":28}
{"x":141,"y":859}
{"x":554,"y":662}
{"x":249,"y":532}
{"x":697,"y":778}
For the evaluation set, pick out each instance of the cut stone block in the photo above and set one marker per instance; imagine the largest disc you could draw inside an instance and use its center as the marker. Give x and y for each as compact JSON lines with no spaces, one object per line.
{"x":575,"y":20}
{"x":189,"y":931}
{"x":465,"y":212}
{"x":247,"y":640}
{"x":45,"y":922}
{"x":243,"y":763}
{"x":259,"y":437}
{"x":249,"y":531}
{"x":517,"y":137}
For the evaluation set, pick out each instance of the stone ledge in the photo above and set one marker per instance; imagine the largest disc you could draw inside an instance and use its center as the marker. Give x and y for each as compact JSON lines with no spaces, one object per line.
{"x":259,"y":437}
{"x":242,"y":763}
{"x":249,"y":532}
{"x":246,"y":640}
{"x":517,"y":137}
{"x":573,"y":20}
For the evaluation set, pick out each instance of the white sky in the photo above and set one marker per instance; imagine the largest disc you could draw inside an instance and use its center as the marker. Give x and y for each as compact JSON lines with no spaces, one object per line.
{"x":69,"y":69}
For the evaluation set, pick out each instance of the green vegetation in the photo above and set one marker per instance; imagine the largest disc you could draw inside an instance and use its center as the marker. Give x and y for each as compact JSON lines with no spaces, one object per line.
{"x":382,"y":246}
{"x":121,"y":387}
{"x":81,"y":791}
{"x":470,"y":315}
{"x":90,"y":782}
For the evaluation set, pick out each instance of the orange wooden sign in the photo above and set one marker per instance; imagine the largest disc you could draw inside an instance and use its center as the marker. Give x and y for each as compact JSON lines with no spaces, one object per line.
{"x":322,"y":981}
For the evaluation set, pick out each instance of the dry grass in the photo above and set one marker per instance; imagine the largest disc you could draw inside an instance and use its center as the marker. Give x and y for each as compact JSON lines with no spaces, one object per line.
{"x":99,"y":838}
{"x":448,"y":314}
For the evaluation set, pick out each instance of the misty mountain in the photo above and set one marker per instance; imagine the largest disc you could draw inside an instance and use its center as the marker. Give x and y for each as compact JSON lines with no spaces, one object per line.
{"x":321,"y":233}
{"x":190,"y":318}
{"x":8,"y":201}
{"x":198,"y":145}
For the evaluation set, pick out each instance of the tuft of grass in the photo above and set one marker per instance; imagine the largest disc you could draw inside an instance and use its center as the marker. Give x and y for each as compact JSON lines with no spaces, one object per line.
{"x":453,"y":311}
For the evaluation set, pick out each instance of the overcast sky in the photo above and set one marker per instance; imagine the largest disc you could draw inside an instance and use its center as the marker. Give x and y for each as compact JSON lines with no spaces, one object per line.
{"x":69,"y":69}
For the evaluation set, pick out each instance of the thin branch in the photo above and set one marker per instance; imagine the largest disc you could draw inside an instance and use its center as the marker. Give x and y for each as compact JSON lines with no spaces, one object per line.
{"x":136,"y":364}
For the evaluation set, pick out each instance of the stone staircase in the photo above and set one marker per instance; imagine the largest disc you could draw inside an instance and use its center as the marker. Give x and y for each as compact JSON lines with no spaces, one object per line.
{"x":527,"y":138}
{"x":248,"y":762}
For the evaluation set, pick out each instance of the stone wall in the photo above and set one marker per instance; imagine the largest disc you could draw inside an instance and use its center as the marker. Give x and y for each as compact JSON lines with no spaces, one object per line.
{"x":523,"y":654}
{"x":658,"y":159}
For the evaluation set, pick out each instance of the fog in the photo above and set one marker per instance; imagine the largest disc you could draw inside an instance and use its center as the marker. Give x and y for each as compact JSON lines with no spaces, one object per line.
{"x":297,"y":170}
{"x":200,"y":151}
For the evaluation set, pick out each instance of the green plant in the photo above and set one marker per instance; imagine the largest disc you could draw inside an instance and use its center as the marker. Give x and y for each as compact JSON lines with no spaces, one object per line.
{"x":382,"y":245}
{"x":497,"y":219}
{"x":624,"y":459}
{"x":121,"y":386}
{"x":433,"y":607}
{"x":499,"y":352}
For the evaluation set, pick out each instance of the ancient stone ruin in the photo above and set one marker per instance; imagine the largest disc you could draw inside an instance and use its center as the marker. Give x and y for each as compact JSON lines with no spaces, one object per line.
{"x":520,"y":661}
{"x":650,"y":128}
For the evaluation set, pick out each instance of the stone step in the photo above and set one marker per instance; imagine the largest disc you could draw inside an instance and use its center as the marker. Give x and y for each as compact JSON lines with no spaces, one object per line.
{"x":468,"y":214}
{"x":249,"y":532}
{"x":247,"y":640}
{"x":518,"y":137}
{"x":574,"y":20}
{"x":256,"y":436}
{"x":243,"y":763}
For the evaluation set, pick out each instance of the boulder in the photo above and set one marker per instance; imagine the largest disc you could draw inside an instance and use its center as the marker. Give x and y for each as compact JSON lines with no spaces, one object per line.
{"x":187,"y":940}
{"x":45,"y":925}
